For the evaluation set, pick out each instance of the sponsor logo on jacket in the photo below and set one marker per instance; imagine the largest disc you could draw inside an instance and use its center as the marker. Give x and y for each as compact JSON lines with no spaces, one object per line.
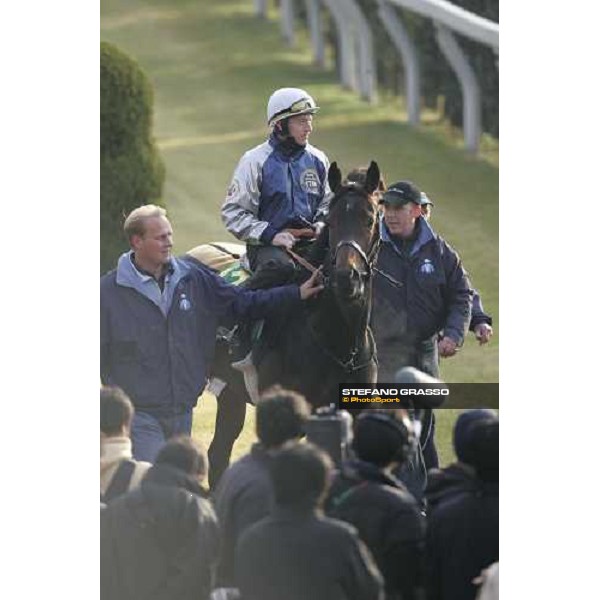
{"x":309,"y":181}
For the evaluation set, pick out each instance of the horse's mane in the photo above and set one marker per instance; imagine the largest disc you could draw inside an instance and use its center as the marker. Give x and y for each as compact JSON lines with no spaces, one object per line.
{"x":359,"y":176}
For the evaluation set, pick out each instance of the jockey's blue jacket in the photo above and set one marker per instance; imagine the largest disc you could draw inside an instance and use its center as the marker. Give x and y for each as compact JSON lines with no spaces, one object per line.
{"x":158,"y":345}
{"x":275,"y":187}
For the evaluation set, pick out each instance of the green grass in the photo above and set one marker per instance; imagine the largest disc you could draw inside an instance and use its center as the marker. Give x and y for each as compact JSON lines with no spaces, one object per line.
{"x":213,"y":66}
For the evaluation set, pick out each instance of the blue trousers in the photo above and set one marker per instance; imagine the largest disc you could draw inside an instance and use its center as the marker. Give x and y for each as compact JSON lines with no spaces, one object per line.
{"x":149,"y":433}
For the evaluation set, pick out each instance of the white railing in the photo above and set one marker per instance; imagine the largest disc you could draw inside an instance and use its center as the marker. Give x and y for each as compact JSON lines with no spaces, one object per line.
{"x":455,"y":18}
{"x":449,"y":19}
{"x":357,"y":55}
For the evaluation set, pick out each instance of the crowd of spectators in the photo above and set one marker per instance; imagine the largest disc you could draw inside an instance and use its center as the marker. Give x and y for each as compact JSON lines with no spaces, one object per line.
{"x":284,"y":523}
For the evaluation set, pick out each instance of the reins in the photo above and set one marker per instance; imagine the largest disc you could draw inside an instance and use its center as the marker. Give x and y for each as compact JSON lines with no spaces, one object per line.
{"x":368,"y":259}
{"x":301,"y":261}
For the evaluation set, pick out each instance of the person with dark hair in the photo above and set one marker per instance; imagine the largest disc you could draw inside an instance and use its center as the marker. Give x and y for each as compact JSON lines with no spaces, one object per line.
{"x":118,"y":471}
{"x":462,"y":519}
{"x":158,"y":324}
{"x":367,"y":495}
{"x":244,"y":494}
{"x":160,"y":541}
{"x":184,"y":454}
{"x":297,"y":553}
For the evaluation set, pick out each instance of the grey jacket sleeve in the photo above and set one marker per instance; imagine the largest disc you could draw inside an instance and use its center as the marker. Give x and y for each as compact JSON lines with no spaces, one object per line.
{"x":478,"y":314}
{"x":239,"y":212}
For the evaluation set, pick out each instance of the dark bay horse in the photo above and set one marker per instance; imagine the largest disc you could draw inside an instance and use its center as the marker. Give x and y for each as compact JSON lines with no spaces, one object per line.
{"x":328,"y":340}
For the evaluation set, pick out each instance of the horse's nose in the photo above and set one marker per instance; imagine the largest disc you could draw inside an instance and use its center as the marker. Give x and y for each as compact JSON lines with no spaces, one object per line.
{"x":344,"y":281}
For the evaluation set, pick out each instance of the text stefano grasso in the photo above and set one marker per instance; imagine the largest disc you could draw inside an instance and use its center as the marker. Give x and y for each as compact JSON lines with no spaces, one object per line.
{"x":408,"y":391}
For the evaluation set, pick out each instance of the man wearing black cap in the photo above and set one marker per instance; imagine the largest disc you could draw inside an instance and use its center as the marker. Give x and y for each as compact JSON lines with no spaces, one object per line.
{"x":427,"y":292}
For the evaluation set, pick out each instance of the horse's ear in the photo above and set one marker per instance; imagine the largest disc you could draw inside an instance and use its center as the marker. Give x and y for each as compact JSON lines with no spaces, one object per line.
{"x":334,"y":177}
{"x":373,"y":178}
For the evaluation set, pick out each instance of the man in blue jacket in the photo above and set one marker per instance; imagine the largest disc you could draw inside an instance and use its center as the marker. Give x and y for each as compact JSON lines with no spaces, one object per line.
{"x":158,"y":325}
{"x":431,"y":294}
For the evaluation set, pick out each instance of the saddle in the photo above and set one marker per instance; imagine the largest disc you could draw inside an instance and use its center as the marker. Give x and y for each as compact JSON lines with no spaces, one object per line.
{"x":224,"y":257}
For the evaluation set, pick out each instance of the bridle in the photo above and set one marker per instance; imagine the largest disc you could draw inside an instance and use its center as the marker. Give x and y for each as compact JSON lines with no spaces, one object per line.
{"x":368,"y":258}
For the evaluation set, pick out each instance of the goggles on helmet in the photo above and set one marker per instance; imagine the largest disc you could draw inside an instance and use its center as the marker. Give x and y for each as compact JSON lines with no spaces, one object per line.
{"x":304,"y":105}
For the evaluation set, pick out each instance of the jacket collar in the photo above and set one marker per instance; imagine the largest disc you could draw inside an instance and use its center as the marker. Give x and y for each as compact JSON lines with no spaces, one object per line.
{"x":288,"y":149}
{"x":129,"y":276}
{"x":115,"y":448}
{"x":360,"y":469}
{"x":457,"y":478}
{"x":424,"y":235}
{"x":297,"y":512}
{"x":168,"y":476}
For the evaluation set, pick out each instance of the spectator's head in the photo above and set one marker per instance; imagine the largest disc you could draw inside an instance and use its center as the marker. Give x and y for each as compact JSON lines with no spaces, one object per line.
{"x":383,"y":437}
{"x":301,"y":475}
{"x":116,"y":412}
{"x":150,"y":235}
{"x":183,"y":453}
{"x":476,"y":442}
{"x":280,"y":416}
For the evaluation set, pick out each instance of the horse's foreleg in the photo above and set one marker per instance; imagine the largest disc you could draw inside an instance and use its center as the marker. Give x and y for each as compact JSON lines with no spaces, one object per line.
{"x":231,"y":413}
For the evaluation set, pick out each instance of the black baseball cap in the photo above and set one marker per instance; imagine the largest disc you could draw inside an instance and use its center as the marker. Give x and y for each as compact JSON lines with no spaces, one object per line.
{"x":402,"y":192}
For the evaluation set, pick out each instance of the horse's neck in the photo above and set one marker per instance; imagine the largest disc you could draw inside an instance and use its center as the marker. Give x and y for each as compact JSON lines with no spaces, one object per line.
{"x":340,"y":332}
{"x":318,"y":249}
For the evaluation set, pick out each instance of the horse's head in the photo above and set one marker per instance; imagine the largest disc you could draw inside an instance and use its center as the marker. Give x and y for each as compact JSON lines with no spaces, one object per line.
{"x":353,"y":231}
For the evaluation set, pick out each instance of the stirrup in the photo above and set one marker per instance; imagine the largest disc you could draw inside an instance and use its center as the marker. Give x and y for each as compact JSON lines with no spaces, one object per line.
{"x":244,"y":364}
{"x":248,"y":370}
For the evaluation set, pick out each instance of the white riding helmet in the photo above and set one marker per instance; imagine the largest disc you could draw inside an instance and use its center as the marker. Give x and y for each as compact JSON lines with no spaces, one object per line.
{"x":289,"y":102}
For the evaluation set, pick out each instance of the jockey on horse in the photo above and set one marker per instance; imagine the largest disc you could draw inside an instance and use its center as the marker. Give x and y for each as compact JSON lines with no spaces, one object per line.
{"x":278,"y":197}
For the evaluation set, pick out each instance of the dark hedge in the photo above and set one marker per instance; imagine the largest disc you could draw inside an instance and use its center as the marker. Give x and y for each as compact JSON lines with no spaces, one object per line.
{"x":131,"y":170}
